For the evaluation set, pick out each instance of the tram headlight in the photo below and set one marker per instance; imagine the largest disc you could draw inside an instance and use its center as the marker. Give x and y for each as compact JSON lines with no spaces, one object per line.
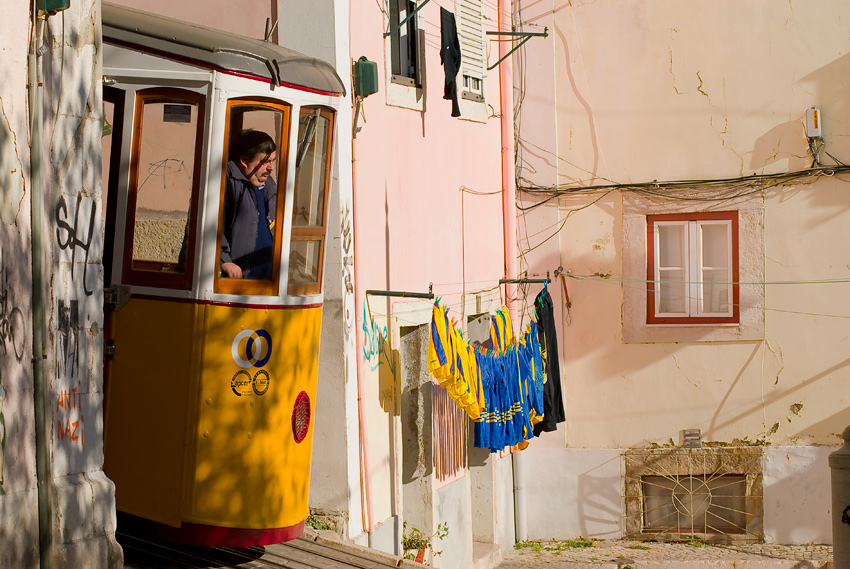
{"x":301,"y":417}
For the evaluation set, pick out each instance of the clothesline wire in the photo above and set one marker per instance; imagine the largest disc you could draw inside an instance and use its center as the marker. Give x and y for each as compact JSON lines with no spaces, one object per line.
{"x":758,"y":283}
{"x":638,"y":283}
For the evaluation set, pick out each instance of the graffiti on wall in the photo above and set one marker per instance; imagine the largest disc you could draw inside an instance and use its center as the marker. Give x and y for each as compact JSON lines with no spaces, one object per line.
{"x":69,"y":412}
{"x":67,"y":340}
{"x":376,"y":347}
{"x":68,"y":234}
{"x":2,"y":436}
{"x":70,"y":421}
{"x":347,"y":264}
{"x":12,"y":330}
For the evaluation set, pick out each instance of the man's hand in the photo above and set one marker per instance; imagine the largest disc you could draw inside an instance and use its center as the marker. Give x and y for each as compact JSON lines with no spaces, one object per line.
{"x":232,"y":270}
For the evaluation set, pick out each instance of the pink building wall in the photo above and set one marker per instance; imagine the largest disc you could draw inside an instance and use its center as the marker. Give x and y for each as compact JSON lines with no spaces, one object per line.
{"x":414,"y":225}
{"x":248,"y":20}
{"x":409,"y":167}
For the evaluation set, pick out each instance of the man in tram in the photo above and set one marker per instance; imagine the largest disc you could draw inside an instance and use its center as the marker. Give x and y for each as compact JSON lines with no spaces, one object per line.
{"x":250,"y":202}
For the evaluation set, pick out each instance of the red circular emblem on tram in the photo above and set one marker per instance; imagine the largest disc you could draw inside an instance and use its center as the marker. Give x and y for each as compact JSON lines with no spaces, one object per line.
{"x":301,"y":417}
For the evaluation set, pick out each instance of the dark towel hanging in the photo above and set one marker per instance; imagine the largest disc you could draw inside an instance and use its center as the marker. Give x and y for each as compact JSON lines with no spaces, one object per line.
{"x":553,"y":403}
{"x":450,"y":57}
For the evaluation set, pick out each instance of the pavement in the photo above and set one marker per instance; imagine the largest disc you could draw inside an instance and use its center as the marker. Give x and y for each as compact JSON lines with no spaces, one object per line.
{"x":625,"y":554}
{"x":143,"y":549}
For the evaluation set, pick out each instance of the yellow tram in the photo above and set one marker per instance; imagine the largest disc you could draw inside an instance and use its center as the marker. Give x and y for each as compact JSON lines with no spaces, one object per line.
{"x":210,"y":380}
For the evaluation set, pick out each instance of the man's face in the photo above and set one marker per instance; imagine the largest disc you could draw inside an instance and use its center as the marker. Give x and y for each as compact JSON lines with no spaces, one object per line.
{"x":258,"y":168}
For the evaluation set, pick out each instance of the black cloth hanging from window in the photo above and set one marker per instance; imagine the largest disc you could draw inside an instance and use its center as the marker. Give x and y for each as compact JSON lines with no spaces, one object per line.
{"x":450,"y":57}
{"x":553,"y":403}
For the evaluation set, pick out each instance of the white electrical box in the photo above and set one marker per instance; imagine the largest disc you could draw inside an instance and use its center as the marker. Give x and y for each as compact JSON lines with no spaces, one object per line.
{"x":813,"y":123}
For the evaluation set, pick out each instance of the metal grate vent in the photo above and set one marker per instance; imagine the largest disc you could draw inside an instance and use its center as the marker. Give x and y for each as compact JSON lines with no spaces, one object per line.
{"x":703,"y":504}
{"x":711,"y":492}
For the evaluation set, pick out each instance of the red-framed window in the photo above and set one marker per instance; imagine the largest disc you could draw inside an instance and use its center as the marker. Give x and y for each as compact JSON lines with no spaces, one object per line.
{"x":692,"y":268}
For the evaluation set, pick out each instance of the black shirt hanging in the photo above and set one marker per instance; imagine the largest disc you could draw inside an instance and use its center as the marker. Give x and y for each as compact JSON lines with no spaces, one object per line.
{"x":553,"y":404}
{"x":450,"y":57}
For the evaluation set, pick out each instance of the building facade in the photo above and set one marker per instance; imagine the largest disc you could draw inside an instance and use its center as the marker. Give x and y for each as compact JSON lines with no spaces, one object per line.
{"x":690,"y":183}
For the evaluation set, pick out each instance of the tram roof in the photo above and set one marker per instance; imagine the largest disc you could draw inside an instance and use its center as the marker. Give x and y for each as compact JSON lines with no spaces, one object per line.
{"x":219,"y":50}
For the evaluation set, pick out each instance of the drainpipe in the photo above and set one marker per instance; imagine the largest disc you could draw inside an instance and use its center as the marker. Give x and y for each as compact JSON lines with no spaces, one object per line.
{"x":506,"y":109}
{"x":42,"y":454}
{"x":365,"y":479}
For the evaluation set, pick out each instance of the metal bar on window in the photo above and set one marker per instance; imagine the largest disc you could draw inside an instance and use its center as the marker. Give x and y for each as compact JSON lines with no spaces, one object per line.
{"x":406,"y":19}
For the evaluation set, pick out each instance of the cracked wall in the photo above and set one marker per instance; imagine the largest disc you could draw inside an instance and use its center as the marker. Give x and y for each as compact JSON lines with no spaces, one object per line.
{"x":83,"y":498}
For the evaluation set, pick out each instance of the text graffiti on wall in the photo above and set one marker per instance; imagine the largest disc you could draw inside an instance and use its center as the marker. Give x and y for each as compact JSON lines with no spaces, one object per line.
{"x":70,"y":423}
{"x":347,"y":262}
{"x":375,"y":344}
{"x":67,"y":236}
{"x":67,"y":342}
{"x":11,"y":319}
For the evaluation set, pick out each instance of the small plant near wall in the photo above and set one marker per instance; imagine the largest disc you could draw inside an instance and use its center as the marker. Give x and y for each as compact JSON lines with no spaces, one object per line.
{"x":318,"y":522}
{"x":414,"y":542}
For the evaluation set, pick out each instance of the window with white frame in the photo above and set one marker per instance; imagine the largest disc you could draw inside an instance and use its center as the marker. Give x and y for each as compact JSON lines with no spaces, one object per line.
{"x":692,"y":268}
{"x":405,"y":48}
{"x":473,"y":59}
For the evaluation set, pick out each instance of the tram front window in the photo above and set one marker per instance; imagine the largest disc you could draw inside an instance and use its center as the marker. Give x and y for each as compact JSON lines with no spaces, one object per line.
{"x":249,"y":230}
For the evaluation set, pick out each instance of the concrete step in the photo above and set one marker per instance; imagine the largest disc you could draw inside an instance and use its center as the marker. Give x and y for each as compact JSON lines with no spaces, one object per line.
{"x":485,"y":555}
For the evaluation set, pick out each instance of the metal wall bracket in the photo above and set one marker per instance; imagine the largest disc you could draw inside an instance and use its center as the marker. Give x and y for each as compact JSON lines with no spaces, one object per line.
{"x":525,"y":37}
{"x":403,"y":294}
{"x":547,"y":280}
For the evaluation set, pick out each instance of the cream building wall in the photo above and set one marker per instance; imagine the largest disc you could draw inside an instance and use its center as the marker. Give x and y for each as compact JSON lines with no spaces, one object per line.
{"x":82,"y":521}
{"x":666,"y":91}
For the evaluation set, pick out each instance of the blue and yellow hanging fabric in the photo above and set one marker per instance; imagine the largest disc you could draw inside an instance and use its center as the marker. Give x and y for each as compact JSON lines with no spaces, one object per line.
{"x":501,"y":330}
{"x":451,"y":362}
{"x":501,"y":389}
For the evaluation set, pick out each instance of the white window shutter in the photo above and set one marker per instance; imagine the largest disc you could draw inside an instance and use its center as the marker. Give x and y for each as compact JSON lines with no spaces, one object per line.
{"x":473,"y":62}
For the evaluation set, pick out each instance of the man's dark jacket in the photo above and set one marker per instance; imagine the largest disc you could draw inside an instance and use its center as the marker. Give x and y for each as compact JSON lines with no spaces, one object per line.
{"x":239,"y":236}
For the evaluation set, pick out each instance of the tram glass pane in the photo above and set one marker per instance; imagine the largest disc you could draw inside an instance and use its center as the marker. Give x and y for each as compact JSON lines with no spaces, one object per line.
{"x":251,"y":252}
{"x":106,"y":156}
{"x":304,"y":262}
{"x":311,"y":163}
{"x":166,"y":158}
{"x":312,"y":175}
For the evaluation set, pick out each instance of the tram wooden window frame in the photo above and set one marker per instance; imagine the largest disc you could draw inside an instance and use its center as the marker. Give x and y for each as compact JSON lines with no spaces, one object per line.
{"x":247,"y":286}
{"x":117,"y":97}
{"x":315,"y":233}
{"x":150,"y":278}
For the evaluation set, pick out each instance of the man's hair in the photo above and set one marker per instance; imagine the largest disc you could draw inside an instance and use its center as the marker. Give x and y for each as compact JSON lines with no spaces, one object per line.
{"x":251,"y":142}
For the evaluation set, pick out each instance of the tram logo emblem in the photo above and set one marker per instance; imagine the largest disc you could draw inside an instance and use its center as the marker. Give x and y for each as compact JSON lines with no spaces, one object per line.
{"x":251,"y":348}
{"x":244,"y":385}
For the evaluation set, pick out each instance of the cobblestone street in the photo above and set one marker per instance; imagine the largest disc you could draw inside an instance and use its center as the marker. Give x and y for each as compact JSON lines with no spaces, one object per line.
{"x":650,"y":555}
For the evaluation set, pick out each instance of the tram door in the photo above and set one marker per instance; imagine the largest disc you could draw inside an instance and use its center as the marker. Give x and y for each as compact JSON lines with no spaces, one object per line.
{"x":151,"y":178}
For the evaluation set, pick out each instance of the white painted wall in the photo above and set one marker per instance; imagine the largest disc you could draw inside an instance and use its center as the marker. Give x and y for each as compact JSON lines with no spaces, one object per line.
{"x":797,"y":494}
{"x":18,"y":505}
{"x":573,"y":493}
{"x":452,"y":507}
